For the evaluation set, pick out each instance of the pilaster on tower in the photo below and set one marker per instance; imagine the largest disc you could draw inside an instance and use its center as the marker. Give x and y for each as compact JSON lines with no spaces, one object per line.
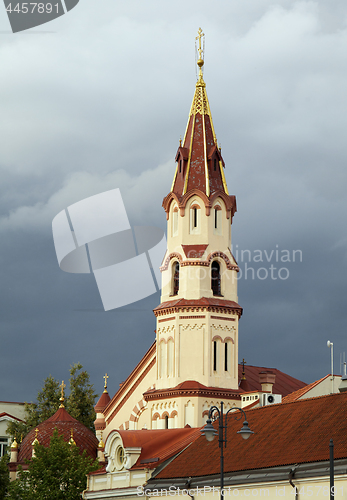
{"x":197,"y":319}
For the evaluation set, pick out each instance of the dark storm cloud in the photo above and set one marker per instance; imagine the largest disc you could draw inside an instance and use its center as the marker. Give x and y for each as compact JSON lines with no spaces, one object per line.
{"x":101,"y":103}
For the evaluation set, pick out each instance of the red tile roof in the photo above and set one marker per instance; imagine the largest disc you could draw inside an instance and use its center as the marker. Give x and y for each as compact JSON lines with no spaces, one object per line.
{"x":103,"y":401}
{"x":203,"y":302}
{"x":284,"y":434}
{"x":159,"y":444}
{"x":284,"y":384}
{"x":192,"y":388}
{"x":61,"y":420}
{"x":198,"y":148}
{"x":300,"y":392}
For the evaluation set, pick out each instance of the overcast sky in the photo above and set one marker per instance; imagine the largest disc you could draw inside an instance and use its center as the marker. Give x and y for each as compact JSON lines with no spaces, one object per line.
{"x":98,"y":99}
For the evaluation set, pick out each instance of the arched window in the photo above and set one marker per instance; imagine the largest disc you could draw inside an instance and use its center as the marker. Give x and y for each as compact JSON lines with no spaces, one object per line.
{"x":195,"y":219}
{"x":215,"y":164}
{"x":226,"y":356}
{"x":215,"y":364}
{"x":176,"y":278}
{"x":166,"y":422}
{"x":180,"y":166}
{"x":215,"y":278}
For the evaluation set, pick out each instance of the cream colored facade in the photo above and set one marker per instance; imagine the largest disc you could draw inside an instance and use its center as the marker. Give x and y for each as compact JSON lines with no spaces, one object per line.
{"x":314,"y":487}
{"x":185,"y":339}
{"x":9,"y":412}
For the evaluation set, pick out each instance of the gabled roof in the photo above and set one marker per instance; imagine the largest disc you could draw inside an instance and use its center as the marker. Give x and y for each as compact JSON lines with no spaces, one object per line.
{"x":284,"y":384}
{"x":8,"y":416}
{"x":303,"y":390}
{"x":284,"y":434}
{"x":130,"y":384}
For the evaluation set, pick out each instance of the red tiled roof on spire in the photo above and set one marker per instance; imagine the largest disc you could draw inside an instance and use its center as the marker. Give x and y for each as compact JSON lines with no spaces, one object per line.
{"x":284,"y":434}
{"x":200,"y":166}
{"x":103,"y":401}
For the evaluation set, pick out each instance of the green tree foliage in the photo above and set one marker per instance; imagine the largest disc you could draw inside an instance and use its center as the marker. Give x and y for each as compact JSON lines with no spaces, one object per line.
{"x":81,"y":400}
{"x":54,"y":473}
{"x":4,"y":475}
{"x":80,"y":403}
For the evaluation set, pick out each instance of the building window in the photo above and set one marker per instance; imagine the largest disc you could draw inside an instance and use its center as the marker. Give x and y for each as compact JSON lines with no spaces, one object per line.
{"x":214,"y":355}
{"x":215,"y":278}
{"x":226,"y":356}
{"x":166,"y":422}
{"x":3,"y":446}
{"x":215,"y":164}
{"x":176,"y":278}
{"x":195,"y":212}
{"x":180,"y":166}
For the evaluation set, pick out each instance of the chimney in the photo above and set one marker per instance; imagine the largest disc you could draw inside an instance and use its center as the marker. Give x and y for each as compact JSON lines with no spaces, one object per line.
{"x":267,"y":380}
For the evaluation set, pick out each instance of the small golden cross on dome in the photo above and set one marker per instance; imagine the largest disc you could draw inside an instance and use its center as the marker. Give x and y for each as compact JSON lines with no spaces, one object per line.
{"x":105,"y":377}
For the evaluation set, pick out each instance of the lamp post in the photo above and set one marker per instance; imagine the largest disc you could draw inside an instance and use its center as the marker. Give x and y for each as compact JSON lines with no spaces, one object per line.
{"x":210,"y":432}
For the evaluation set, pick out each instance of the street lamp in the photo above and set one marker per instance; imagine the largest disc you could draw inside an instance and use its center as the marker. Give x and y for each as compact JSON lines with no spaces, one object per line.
{"x":210,"y":432}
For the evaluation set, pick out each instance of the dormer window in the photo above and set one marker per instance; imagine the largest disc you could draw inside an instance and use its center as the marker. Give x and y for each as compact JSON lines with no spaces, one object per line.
{"x":215,"y":164}
{"x":180,"y":168}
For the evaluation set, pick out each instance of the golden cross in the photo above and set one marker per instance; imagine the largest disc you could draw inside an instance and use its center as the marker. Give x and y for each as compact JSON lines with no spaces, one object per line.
{"x":200,"y":35}
{"x":62,"y":389}
{"x":105,"y":377}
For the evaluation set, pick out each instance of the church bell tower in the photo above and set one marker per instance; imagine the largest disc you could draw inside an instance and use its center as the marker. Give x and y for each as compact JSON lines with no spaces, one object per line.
{"x":197,"y":319}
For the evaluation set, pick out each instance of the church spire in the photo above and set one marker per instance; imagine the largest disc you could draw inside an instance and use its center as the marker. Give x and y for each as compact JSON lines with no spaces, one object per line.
{"x":199,"y":161}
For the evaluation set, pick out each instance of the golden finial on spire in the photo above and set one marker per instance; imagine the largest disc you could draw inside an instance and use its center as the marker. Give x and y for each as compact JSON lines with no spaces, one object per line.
{"x":14,"y":444}
{"x":105,"y":385}
{"x":72,"y":441}
{"x":180,"y":141}
{"x":200,"y":61}
{"x":62,"y":399}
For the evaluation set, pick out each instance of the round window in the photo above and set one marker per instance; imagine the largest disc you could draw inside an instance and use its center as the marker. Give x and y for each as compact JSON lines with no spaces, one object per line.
{"x":120,"y":457}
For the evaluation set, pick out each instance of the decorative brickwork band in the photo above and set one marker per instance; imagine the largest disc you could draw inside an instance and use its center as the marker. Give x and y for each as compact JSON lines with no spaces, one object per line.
{"x":192,"y":317}
{"x":222,"y":317}
{"x":166,"y":319}
{"x":204,"y":263}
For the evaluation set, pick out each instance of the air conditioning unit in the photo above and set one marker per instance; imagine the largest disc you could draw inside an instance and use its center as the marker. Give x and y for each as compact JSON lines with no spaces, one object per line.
{"x":271,"y":399}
